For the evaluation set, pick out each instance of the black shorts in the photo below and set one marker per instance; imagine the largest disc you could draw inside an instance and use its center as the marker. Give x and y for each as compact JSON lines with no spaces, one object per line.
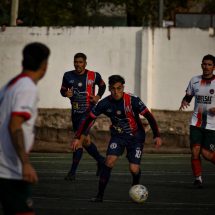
{"x":15,"y":196}
{"x":203,"y":137}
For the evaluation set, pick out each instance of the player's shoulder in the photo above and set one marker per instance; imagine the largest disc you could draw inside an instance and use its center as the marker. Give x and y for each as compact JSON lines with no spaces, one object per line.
{"x":133,"y":96}
{"x":69,"y":73}
{"x":26,"y":83}
{"x":196,"y":78}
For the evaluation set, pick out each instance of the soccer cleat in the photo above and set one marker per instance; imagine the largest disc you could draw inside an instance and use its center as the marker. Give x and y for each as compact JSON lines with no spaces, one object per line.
{"x":98,"y":198}
{"x":198,"y":183}
{"x":69,"y":177}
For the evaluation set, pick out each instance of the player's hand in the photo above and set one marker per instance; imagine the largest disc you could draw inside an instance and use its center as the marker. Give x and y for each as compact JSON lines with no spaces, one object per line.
{"x":158,"y":142}
{"x":184,"y":104}
{"x":75,"y":144}
{"x":29,"y":173}
{"x":94,"y":99}
{"x":69,"y":92}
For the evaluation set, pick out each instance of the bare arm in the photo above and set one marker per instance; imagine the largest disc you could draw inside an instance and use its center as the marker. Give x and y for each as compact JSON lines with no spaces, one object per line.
{"x":17,"y":136}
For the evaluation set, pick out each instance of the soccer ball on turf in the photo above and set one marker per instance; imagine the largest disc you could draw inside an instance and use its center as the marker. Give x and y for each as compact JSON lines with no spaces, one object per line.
{"x":138,"y":193}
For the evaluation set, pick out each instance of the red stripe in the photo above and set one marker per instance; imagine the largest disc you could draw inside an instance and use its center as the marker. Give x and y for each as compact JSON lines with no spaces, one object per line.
{"x":25,"y":115}
{"x":129,"y":112}
{"x":199,"y":118}
{"x":89,"y":87}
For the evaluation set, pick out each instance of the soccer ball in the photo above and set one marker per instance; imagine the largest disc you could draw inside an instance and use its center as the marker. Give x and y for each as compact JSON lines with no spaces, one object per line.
{"x":138,"y":193}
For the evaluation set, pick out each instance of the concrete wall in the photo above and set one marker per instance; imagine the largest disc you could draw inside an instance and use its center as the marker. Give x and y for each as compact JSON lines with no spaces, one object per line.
{"x":157,"y":63}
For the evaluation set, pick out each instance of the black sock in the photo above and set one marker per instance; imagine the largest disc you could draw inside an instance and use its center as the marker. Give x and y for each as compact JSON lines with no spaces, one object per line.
{"x":92,"y":150}
{"x":76,"y":159}
{"x":136,"y":178}
{"x":103,"y":180}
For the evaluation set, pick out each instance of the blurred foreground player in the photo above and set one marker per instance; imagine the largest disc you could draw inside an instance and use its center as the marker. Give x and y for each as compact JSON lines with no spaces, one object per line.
{"x":127,"y":131}
{"x":18,"y":111}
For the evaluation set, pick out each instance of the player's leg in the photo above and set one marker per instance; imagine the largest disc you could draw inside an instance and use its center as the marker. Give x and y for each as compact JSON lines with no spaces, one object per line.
{"x":134,"y":154}
{"x":196,"y":139}
{"x":16,"y":197}
{"x":92,"y":150}
{"x":77,"y":155}
{"x":208,"y":148}
{"x":115,"y":149}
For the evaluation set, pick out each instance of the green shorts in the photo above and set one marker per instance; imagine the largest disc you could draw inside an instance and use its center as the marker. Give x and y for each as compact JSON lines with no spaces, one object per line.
{"x":204,"y":137}
{"x":15,"y":196}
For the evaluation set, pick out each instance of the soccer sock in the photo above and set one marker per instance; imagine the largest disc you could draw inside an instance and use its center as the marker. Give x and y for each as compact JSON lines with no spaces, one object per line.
{"x":92,"y":150}
{"x":103,"y":180}
{"x":136,"y":178}
{"x":76,"y":159}
{"x":196,"y":167}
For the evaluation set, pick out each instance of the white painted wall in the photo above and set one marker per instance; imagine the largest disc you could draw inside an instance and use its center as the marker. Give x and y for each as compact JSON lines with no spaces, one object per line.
{"x":156,"y":68}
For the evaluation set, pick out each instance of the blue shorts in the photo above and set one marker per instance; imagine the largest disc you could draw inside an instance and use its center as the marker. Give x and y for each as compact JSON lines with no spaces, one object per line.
{"x":15,"y":196}
{"x":134,"y":148}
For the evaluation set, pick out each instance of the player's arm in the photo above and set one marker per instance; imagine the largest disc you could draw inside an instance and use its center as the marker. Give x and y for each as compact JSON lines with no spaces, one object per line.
{"x":185,"y":103}
{"x":17,"y":137}
{"x":153,"y":124}
{"x":66,"y":90}
{"x":101,"y":89}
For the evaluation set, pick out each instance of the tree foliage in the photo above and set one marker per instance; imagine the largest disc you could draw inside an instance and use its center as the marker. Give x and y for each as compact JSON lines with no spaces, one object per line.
{"x":86,"y":12}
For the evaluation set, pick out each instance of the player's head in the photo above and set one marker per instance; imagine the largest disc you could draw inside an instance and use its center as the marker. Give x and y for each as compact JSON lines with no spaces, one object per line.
{"x":80,"y":62}
{"x":208,"y":65}
{"x":35,"y":55}
{"x":116,"y":86}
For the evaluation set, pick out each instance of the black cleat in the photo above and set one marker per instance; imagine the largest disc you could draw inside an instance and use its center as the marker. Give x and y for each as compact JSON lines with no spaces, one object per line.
{"x":198,"y":184}
{"x":97,"y":199}
{"x":69,"y":177}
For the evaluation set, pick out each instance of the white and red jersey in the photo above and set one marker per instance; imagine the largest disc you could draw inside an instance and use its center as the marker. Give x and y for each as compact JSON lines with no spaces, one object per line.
{"x":204,"y":92}
{"x":18,"y":97}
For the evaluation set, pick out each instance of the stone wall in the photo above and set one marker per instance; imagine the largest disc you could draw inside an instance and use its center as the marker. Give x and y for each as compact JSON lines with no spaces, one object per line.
{"x":54,"y":131}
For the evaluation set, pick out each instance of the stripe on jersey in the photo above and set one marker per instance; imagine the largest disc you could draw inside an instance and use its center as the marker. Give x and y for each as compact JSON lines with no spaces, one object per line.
{"x":129,"y":113}
{"x":25,"y":115}
{"x":201,"y":118}
{"x":89,"y":86}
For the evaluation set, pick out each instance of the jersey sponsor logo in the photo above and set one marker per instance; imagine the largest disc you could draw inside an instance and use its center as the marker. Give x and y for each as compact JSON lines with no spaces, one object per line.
{"x":113,"y":145}
{"x":204,"y":99}
{"x":71,"y":81}
{"x":211,"y":91}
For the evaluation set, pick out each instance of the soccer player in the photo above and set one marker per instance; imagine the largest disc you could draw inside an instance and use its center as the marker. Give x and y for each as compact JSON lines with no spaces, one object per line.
{"x":18,"y":111}
{"x":202,"y":125}
{"x":127,"y":131}
{"x":79,"y":86}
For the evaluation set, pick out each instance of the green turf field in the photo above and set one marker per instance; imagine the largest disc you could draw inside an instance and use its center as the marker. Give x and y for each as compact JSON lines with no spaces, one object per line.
{"x":167,"y":177}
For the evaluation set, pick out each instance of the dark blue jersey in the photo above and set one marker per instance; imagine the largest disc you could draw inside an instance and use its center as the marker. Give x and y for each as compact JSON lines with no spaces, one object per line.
{"x":124,"y":115}
{"x":83,"y":86}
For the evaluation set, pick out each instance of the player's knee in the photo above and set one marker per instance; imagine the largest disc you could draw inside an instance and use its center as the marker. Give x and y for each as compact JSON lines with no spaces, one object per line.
{"x":134,"y":169}
{"x":196,"y":149}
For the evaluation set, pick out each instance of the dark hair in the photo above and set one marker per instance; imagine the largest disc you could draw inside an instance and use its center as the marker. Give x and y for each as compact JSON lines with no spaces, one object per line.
{"x":34,"y":54}
{"x":113,"y":79}
{"x":81,"y":55}
{"x":209,"y":57}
